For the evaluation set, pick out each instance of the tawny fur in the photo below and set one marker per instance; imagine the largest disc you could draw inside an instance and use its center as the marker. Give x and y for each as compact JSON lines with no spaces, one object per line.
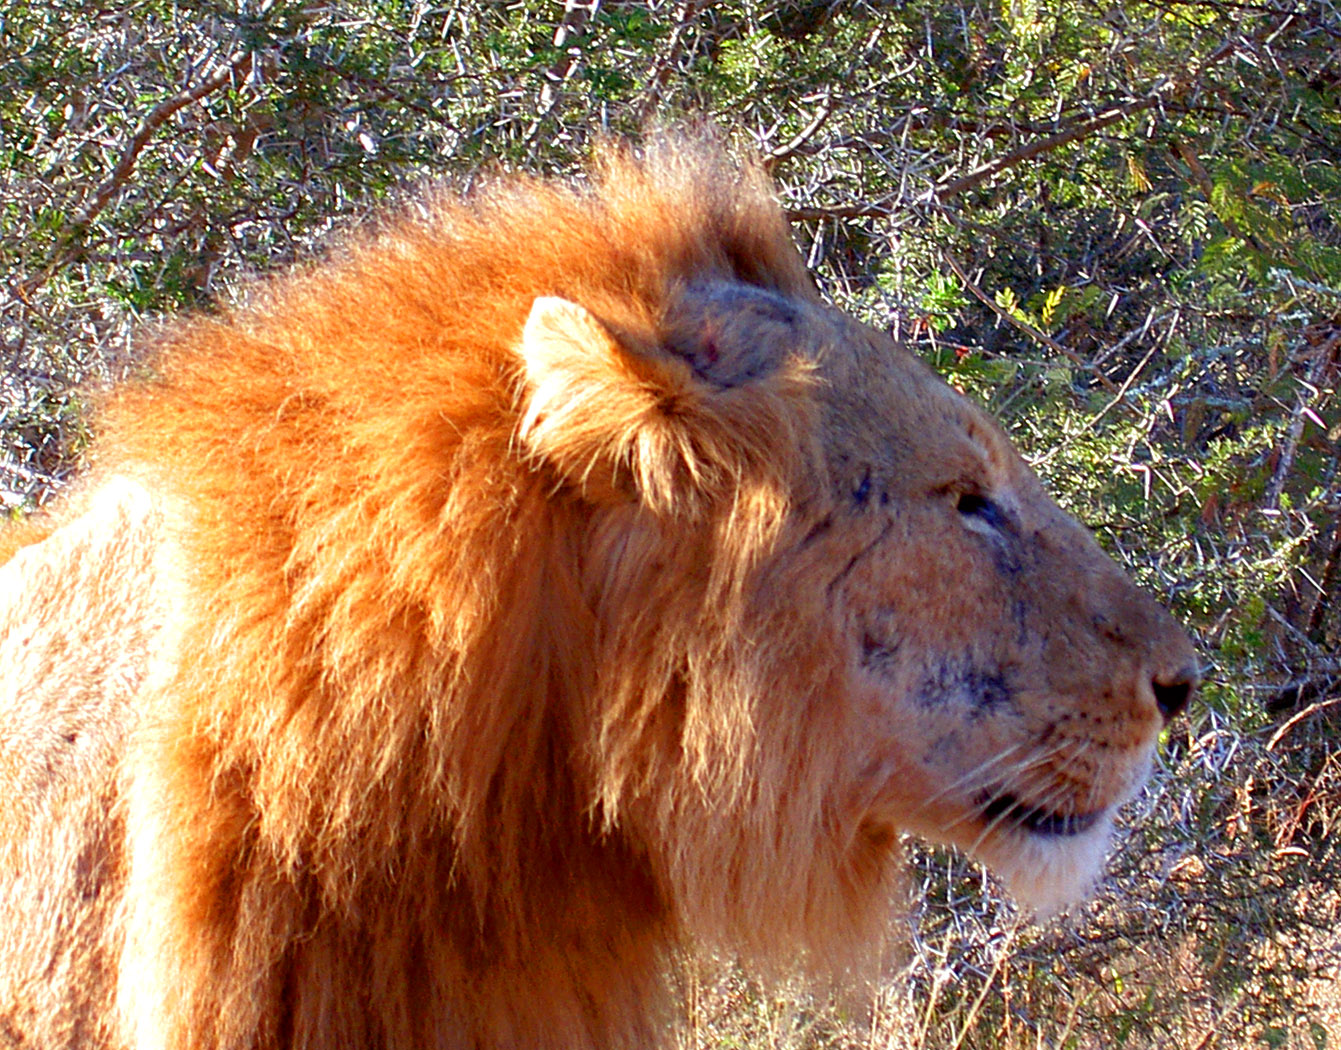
{"x":545,"y":588}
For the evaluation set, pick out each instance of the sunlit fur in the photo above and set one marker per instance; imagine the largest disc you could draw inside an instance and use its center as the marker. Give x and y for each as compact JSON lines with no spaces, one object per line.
{"x":547,"y":586}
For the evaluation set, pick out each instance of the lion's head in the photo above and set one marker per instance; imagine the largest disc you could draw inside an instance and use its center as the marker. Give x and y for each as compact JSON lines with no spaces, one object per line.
{"x":831,"y":598}
{"x":554,"y":581}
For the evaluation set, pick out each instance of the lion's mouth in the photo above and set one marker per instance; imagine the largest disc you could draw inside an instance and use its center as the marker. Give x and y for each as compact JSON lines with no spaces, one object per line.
{"x":1009,"y":810}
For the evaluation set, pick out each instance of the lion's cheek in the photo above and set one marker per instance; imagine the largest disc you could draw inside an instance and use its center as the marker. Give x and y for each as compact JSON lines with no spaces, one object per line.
{"x":909,"y":753}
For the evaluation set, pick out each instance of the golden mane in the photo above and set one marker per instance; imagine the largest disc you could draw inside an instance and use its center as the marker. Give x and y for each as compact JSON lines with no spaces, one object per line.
{"x":415,"y":583}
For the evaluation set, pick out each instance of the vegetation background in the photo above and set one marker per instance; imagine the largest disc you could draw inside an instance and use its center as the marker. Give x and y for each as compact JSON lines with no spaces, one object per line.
{"x":1117,"y":224}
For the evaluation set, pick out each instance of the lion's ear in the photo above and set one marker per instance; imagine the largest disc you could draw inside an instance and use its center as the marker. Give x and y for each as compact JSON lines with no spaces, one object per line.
{"x":594,"y":411}
{"x":678,"y":427}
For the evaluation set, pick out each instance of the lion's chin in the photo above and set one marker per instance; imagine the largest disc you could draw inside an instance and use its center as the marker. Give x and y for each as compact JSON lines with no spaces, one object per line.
{"x":1046,"y":873}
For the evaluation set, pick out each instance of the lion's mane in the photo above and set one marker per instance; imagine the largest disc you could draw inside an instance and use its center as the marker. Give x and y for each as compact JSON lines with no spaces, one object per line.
{"x":374,"y":781}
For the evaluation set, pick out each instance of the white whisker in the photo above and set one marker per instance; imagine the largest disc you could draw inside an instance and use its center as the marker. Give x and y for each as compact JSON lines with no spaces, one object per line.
{"x":969,"y":777}
{"x":977,"y":777}
{"x":1025,"y":776}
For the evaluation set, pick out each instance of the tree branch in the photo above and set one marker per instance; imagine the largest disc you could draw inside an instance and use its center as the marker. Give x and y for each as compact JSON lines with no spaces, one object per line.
{"x":1077,"y":131}
{"x":665,"y":62}
{"x":576,"y":15}
{"x":1302,"y":408}
{"x":120,"y":175}
{"x":1170,"y":89}
{"x":822,"y":113}
{"x":1027,"y":328}
{"x":884,"y":206}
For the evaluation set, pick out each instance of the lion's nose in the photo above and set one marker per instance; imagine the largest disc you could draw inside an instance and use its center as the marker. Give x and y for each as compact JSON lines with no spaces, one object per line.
{"x":1173,"y":692}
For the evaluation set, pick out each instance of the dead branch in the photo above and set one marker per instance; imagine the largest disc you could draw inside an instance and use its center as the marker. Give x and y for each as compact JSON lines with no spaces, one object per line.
{"x":576,"y":15}
{"x":822,"y":113}
{"x":1169,"y":90}
{"x":876,"y":209}
{"x":1046,"y":145}
{"x":666,"y":61}
{"x":120,"y":175}
{"x":1297,"y":693}
{"x":1296,"y":431}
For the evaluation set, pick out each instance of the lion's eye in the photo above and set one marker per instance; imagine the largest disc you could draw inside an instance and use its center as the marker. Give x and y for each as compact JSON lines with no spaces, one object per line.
{"x":981,"y":510}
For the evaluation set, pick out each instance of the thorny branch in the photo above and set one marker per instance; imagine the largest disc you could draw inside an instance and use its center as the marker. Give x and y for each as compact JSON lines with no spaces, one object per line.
{"x":666,"y":61}
{"x":790,"y":149}
{"x":1025,"y":326}
{"x":1080,"y":129}
{"x":576,"y":15}
{"x":239,"y":66}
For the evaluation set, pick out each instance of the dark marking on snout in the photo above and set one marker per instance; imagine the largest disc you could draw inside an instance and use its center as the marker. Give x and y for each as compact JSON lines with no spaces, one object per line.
{"x":1109,"y":629}
{"x":984,"y":691}
{"x":821,"y":528}
{"x":1019,"y":612}
{"x":861,"y":492}
{"x":988,"y":691}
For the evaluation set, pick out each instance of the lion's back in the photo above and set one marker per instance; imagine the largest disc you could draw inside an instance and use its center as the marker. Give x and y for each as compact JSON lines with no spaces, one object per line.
{"x":79,"y":617}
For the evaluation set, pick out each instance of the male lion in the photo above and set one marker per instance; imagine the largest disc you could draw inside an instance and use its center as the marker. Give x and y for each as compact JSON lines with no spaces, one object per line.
{"x":460,"y":632}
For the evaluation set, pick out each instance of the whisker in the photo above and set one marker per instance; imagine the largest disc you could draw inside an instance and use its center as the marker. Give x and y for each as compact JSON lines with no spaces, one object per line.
{"x":979,"y":779}
{"x":1018,"y":814}
{"x":1039,"y":758}
{"x":996,"y":822}
{"x":1014,"y":779}
{"x":977,"y":775}
{"x":1060,"y":785}
{"x":1026,"y":774}
{"x":976,"y":771}
{"x":1015,"y":815}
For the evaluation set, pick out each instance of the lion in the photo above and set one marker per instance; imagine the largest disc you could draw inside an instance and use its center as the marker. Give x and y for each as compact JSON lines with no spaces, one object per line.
{"x":547,"y":588}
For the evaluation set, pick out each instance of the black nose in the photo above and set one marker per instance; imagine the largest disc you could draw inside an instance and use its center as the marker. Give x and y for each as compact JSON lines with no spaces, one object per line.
{"x":1172,"y":694}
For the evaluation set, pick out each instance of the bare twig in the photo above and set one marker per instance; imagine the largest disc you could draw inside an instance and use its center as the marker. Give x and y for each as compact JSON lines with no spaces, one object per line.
{"x":666,"y":60}
{"x":1301,"y":412}
{"x":576,"y":15}
{"x":1046,"y":145}
{"x":876,"y":209}
{"x":1311,"y":709}
{"x":1168,"y":90}
{"x":822,"y":113}
{"x":1093,"y":421}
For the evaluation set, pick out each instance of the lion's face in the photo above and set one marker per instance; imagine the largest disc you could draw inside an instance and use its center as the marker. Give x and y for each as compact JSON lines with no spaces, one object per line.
{"x":925,"y":641}
{"x":1013,"y":681}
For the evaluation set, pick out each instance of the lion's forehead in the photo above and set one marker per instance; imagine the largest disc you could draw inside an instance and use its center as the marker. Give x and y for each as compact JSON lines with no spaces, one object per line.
{"x":886,"y":411}
{"x":730,"y":333}
{"x":886,"y":415}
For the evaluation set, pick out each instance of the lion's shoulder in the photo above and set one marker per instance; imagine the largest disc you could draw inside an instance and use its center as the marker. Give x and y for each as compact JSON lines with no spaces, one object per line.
{"x":79,"y":615}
